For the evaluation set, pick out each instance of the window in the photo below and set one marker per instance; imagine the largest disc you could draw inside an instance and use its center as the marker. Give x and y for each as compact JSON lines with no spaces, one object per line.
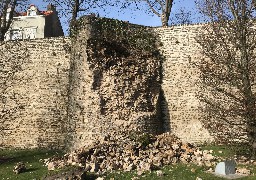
{"x":15,"y":34}
{"x":30,"y":33}
{"x":31,"y":13}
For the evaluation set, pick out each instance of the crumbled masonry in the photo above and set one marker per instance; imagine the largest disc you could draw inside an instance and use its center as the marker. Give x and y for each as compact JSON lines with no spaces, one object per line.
{"x":127,"y":152}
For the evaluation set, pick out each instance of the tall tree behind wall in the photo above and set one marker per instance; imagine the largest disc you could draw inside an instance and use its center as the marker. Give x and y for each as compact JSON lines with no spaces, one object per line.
{"x":162,"y":8}
{"x":228,"y":67}
{"x":7,"y":12}
{"x":72,"y":9}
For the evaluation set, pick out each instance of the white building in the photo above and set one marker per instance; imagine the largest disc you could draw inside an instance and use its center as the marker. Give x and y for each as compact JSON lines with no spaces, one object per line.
{"x":35,"y":24}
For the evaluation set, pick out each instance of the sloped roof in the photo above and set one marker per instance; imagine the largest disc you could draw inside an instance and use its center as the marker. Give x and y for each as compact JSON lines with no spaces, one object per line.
{"x":45,"y":13}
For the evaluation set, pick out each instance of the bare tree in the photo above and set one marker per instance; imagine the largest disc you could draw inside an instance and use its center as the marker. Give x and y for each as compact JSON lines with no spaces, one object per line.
{"x":228,"y":67}
{"x":162,"y":8}
{"x":182,"y":16}
{"x":72,"y":9}
{"x":7,"y":12}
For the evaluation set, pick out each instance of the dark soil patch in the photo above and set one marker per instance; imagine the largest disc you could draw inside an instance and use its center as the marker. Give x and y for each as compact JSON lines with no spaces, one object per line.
{"x":5,"y":159}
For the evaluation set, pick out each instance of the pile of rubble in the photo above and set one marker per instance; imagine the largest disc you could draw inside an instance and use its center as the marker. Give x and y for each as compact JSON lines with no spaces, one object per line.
{"x":141,"y":152}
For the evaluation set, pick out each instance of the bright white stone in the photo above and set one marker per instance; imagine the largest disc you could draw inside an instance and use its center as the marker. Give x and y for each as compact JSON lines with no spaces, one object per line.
{"x":220,"y":168}
{"x":226,"y":168}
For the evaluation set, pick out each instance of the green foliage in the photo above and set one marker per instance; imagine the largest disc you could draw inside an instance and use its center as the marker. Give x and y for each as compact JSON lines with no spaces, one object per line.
{"x":119,"y":46}
{"x":142,"y":138}
{"x":134,"y":37}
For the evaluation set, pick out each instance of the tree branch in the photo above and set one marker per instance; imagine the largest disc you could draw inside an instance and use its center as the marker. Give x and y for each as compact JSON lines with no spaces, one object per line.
{"x":152,"y":8}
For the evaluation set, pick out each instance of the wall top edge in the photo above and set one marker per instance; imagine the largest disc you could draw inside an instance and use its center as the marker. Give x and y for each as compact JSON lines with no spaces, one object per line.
{"x":39,"y":39}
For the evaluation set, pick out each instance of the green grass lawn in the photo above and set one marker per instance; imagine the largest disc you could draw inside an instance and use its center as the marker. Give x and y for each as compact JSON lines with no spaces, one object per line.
{"x":175,"y":172}
{"x":36,"y":170}
{"x":172,"y":172}
{"x":228,"y":151}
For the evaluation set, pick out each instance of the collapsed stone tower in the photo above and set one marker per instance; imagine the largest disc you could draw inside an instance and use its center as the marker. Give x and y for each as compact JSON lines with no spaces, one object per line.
{"x":115,"y":80}
{"x":105,"y":79}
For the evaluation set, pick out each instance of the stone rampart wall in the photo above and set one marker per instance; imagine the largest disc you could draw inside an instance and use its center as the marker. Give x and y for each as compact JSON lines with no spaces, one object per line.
{"x":180,"y":76}
{"x":62,"y":95}
{"x":77,"y":94}
{"x":33,"y":101}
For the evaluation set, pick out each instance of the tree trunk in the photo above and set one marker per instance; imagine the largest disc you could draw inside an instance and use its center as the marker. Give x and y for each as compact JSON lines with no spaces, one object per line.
{"x":75,"y":10}
{"x":4,"y":22}
{"x":164,"y":20}
{"x":249,"y":104}
{"x":2,"y":35}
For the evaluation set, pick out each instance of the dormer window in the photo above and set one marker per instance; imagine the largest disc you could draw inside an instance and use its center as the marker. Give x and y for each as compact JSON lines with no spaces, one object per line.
{"x":15,"y":34}
{"x":32,"y":11}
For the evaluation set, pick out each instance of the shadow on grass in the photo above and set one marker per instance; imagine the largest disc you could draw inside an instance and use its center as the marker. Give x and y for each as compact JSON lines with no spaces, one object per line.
{"x":5,"y":159}
{"x":71,"y":172}
{"x":91,"y":177}
{"x":13,"y":156}
{"x":31,"y":169}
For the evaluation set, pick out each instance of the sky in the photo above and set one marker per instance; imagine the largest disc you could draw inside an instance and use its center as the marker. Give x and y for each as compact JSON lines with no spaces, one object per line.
{"x":135,"y":17}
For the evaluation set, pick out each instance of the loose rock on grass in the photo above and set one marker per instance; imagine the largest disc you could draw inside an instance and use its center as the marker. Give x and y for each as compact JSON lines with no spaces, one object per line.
{"x":127,"y":152}
{"x":19,"y":168}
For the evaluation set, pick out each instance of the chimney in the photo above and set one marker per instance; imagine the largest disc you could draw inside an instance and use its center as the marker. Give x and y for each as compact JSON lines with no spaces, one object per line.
{"x":50,"y":7}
